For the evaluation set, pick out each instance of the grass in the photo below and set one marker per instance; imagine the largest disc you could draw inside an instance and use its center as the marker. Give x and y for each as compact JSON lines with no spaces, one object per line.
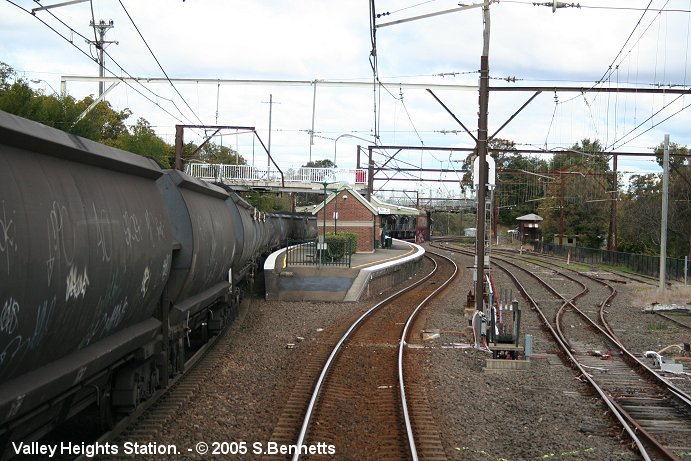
{"x":672,"y":295}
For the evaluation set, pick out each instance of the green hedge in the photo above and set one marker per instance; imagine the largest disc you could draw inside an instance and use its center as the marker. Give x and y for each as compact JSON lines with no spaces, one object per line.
{"x":338,"y":246}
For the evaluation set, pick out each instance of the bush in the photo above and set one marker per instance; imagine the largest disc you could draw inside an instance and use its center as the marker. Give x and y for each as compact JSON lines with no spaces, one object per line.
{"x":341,"y":244}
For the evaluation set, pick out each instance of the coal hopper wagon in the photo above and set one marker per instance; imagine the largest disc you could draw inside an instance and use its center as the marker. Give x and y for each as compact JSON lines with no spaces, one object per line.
{"x":110,"y":269}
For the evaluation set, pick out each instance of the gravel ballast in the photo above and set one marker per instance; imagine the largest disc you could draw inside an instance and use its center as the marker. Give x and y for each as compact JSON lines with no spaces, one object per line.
{"x":545,"y":412}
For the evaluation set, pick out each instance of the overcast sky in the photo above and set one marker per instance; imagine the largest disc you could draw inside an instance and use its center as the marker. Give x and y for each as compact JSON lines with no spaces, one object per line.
{"x":308,"y":40}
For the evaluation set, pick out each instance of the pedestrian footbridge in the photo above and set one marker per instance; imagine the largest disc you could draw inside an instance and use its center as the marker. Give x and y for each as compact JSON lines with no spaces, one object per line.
{"x":247,"y":177}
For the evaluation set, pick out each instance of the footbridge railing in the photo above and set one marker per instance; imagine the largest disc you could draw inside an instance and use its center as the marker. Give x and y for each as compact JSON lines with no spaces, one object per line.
{"x":247,"y":174}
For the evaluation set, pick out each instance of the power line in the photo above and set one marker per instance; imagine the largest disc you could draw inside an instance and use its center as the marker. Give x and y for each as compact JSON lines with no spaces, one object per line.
{"x":120,"y":79}
{"x":609,"y":70}
{"x":157,"y":61}
{"x":613,"y":8}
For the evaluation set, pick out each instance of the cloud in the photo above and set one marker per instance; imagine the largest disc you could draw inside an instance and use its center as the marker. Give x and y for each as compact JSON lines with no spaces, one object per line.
{"x":312,"y":40}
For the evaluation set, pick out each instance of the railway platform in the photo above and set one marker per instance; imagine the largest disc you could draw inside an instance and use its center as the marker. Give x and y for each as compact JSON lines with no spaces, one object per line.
{"x":368,"y":274}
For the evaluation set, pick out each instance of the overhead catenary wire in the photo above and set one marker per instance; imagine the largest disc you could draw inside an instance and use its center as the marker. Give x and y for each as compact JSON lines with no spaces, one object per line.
{"x":70,"y":40}
{"x":158,"y":62}
{"x":609,"y":70}
{"x":93,"y":20}
{"x":607,"y":7}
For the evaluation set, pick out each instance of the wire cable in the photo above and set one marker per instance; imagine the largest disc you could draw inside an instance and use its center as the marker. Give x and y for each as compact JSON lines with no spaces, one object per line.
{"x":71,"y":42}
{"x":158,"y":62}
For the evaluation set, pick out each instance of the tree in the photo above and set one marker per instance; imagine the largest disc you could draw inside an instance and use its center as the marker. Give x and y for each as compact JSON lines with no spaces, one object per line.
{"x":267,"y":201}
{"x":519,"y":181}
{"x":639,"y":215}
{"x":679,"y":211}
{"x":325,"y":163}
{"x":640,"y":209}
{"x":143,"y":141}
{"x":679,"y":156}
{"x":577,"y":202}
{"x":519,"y":178}
{"x":102,"y":124}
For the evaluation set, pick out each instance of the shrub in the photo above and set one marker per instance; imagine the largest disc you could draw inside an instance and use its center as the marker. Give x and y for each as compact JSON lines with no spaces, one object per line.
{"x":341,"y":244}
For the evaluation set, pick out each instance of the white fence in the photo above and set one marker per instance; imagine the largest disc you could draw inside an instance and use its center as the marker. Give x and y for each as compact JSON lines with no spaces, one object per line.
{"x":251,"y":174}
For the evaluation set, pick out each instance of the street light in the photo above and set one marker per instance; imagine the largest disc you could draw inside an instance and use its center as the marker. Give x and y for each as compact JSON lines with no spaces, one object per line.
{"x":39,"y":80}
{"x":348,"y":135}
{"x":324,"y":212}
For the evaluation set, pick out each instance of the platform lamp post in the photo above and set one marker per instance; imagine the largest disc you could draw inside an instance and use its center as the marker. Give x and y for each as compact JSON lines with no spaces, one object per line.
{"x":39,"y":80}
{"x":325,"y":184}
{"x":348,"y":135}
{"x":324,"y":212}
{"x":323,"y":244}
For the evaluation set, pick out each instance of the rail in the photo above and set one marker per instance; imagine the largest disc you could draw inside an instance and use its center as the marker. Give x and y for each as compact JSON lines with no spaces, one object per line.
{"x":401,"y":348}
{"x":340,"y":345}
{"x":631,"y":424}
{"x":614,"y":410}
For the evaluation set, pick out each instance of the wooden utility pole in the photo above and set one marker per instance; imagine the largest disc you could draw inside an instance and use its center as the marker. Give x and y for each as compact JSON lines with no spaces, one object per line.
{"x":101,"y":28}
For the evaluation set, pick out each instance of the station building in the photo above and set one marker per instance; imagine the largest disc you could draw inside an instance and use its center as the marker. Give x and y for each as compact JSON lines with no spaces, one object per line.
{"x":346,"y":210}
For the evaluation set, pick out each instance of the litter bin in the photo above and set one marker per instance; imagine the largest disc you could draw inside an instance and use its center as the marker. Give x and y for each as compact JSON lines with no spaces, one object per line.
{"x":388,"y":242}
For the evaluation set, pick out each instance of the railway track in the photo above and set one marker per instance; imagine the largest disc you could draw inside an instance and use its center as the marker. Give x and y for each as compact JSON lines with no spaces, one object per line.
{"x":362,"y":403}
{"x":609,"y":275}
{"x":655,"y":413}
{"x":146,"y":426}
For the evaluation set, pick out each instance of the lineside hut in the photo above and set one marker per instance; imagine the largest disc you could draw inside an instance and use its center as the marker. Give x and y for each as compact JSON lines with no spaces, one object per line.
{"x":566,"y":240}
{"x":529,"y":228}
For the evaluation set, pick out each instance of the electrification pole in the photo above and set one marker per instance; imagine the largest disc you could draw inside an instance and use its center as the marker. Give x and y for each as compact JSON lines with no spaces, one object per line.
{"x":612,"y":233}
{"x":271,"y":103}
{"x":663,"y":221}
{"x":101,"y":28}
{"x":482,"y":160}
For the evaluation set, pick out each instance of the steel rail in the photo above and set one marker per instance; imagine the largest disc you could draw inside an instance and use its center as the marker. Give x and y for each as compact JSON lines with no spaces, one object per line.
{"x":627,"y":355}
{"x":401,"y":347}
{"x":335,"y":352}
{"x":608,"y":332}
{"x":631,"y":420}
{"x":613,"y":408}
{"x":681,"y":324}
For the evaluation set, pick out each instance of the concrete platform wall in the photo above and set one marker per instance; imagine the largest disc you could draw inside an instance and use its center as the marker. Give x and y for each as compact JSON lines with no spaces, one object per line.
{"x":376,"y":279}
{"x":338,"y":284}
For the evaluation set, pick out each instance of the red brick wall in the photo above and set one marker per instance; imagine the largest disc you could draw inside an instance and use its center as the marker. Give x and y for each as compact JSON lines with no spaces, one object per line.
{"x":350,"y":212}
